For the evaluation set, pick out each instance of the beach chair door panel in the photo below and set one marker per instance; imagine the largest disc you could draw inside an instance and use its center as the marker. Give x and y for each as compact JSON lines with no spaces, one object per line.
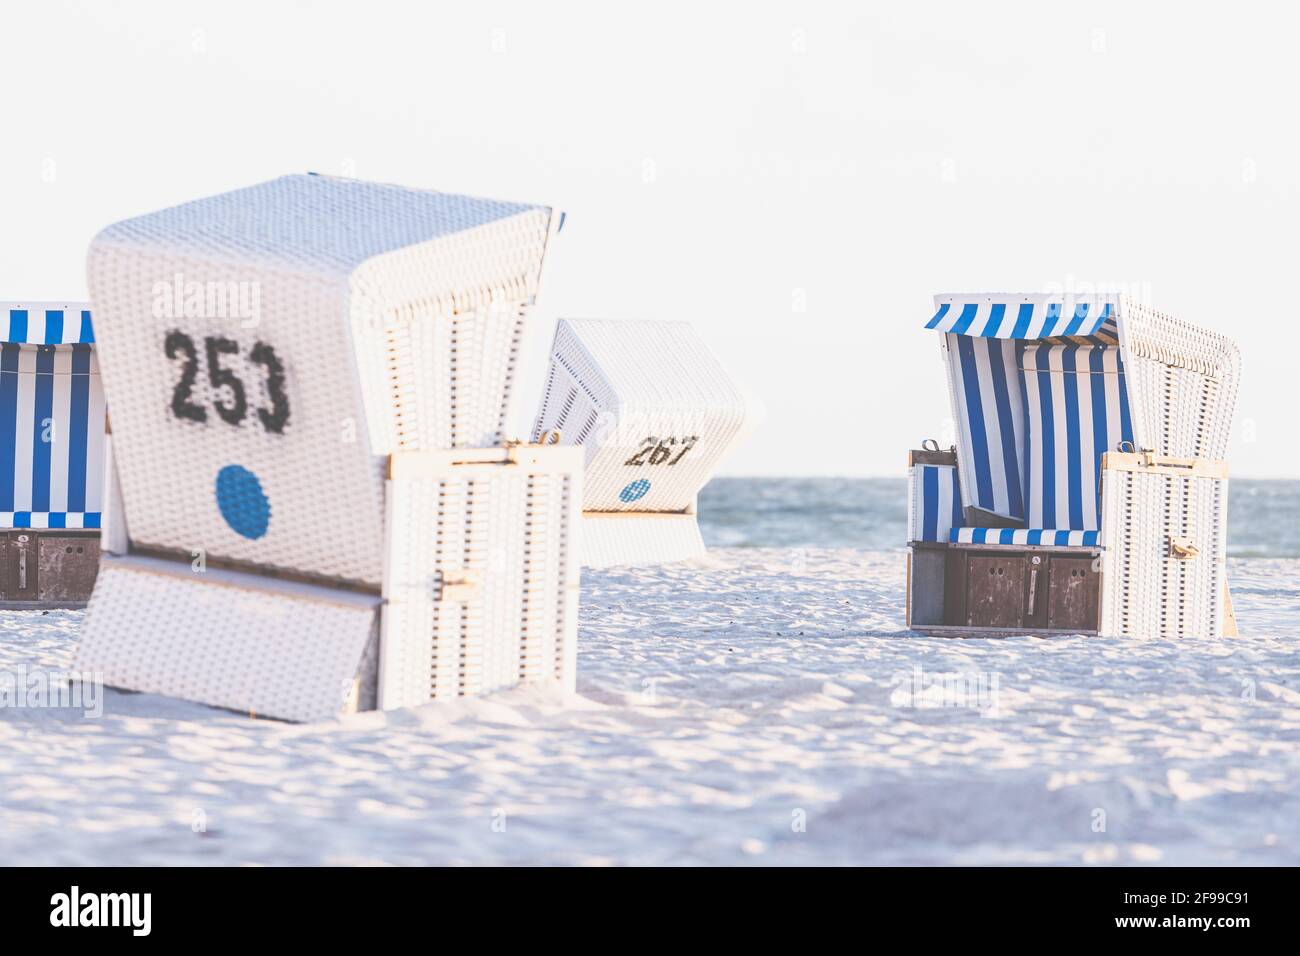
{"x":68,"y":565}
{"x":6,"y":568}
{"x":481,"y":582}
{"x":1072,"y":594}
{"x":995,"y":588}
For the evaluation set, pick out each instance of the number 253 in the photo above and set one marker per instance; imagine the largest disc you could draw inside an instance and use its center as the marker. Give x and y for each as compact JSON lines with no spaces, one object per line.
{"x":178,"y":345}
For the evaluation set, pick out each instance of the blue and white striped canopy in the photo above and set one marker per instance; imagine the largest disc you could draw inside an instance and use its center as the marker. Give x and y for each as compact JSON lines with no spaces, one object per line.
{"x":1020,"y":316}
{"x":44,"y":323}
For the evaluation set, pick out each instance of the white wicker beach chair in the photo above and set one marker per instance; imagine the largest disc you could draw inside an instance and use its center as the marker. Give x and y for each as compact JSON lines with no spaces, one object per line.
{"x":51,"y":454}
{"x":309,"y":506}
{"x":655,"y":413}
{"x":1087,"y":490}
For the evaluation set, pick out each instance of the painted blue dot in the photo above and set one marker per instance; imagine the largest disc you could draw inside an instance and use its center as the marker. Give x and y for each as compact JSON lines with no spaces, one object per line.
{"x":242,"y":502}
{"x":635,"y":491}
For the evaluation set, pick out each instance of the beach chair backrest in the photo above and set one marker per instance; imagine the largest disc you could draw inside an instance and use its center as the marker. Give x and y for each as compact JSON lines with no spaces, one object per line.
{"x":653,"y":408}
{"x":1183,"y":381}
{"x":51,"y":417}
{"x":1076,"y":409}
{"x":1042,"y":386}
{"x":265,"y":350}
{"x":984,"y":380}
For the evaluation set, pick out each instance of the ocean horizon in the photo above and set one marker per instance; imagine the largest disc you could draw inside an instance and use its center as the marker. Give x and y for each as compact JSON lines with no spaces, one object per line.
{"x":871,"y":514}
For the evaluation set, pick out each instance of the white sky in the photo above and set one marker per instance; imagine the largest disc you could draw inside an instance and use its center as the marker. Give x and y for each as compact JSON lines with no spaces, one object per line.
{"x":796,"y":179}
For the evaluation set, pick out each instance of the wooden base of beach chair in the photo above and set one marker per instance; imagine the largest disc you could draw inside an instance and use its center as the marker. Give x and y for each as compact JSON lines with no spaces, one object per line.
{"x":47,"y":568}
{"x":1154,"y":569}
{"x":987,"y":590}
{"x":612,"y":538}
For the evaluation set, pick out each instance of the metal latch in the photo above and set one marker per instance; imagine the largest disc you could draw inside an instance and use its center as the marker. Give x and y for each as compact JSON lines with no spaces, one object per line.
{"x":22,"y":562}
{"x":458,"y":586}
{"x":1036,"y":560}
{"x":1183,"y":549}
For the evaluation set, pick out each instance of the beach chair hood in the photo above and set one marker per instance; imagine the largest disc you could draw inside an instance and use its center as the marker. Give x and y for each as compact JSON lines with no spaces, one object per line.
{"x":1043,"y":384}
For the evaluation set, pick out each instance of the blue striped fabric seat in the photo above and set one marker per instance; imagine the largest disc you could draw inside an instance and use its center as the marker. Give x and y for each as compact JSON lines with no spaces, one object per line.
{"x":1025,"y":536}
{"x":936,"y":502}
{"x":1075,"y":409}
{"x":49,"y":519}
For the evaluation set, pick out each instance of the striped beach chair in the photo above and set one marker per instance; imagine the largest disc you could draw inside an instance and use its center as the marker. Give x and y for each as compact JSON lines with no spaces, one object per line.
{"x":311,"y":507}
{"x":655,"y":413}
{"x":1087,"y":488}
{"x":51,"y":454}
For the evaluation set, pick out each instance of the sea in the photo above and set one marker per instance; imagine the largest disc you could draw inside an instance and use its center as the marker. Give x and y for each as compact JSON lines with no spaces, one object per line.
{"x":871,"y":514}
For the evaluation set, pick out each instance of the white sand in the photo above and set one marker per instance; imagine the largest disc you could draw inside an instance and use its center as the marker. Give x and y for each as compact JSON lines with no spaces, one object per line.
{"x":719,"y":704}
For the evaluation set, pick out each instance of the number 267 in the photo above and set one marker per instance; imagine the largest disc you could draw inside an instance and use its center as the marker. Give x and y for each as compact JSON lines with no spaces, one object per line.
{"x":659,"y":451}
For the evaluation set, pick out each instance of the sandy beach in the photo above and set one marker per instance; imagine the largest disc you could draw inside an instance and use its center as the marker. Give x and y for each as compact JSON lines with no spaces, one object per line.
{"x":760,"y":706}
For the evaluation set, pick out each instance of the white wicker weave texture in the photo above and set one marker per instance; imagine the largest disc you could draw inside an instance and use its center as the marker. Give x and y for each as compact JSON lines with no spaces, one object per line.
{"x":240,"y":641}
{"x":481,"y":581}
{"x":612,"y":538}
{"x":1183,"y":382}
{"x":113,"y":535}
{"x":1148,"y":591}
{"x":653,"y":408}
{"x":265,"y":350}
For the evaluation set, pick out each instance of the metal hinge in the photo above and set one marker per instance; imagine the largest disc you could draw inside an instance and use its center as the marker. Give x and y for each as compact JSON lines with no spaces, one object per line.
{"x":458,"y":586}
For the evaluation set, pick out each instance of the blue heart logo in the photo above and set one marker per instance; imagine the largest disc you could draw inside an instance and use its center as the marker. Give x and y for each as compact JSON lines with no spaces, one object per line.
{"x":635,"y":491}
{"x":242,"y":502}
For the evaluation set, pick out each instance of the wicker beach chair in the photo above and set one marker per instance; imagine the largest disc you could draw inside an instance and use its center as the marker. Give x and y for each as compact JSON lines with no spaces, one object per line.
{"x":51,"y":454}
{"x":655,"y":413}
{"x":1087,"y":490}
{"x":310,"y":506}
